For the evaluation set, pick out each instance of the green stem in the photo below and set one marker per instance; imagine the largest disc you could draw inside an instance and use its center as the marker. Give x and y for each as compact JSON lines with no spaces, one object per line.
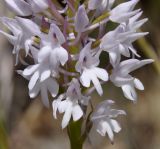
{"x":74,"y":133}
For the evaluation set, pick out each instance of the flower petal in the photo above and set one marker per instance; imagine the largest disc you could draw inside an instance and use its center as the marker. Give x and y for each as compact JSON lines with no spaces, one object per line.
{"x":44,"y":95}
{"x":53,"y":87}
{"x":67,"y":116}
{"x":129,"y":92}
{"x":62,"y":55}
{"x":30,"y":70}
{"x":77,"y":112}
{"x":85,"y":79}
{"x":33,"y":80}
{"x":101,"y":73}
{"x":138,"y":84}
{"x":20,"y":7}
{"x":115,"y":126}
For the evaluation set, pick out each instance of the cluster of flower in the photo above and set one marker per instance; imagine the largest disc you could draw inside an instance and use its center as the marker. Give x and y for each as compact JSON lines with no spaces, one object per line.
{"x":67,"y":56}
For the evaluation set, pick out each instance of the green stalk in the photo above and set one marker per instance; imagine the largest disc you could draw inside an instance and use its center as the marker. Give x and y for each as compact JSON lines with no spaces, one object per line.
{"x":3,"y":136}
{"x":74,"y":133}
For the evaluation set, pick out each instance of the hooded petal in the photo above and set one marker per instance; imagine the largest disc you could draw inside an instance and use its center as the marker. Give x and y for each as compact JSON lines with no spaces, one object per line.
{"x":81,"y":19}
{"x":56,"y":34}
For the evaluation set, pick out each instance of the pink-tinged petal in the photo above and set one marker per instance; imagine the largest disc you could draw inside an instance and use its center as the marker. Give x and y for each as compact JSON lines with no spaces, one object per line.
{"x":77,"y":112}
{"x":81,"y":19}
{"x":33,"y":80}
{"x":30,"y":70}
{"x":55,"y":31}
{"x":138,"y":84}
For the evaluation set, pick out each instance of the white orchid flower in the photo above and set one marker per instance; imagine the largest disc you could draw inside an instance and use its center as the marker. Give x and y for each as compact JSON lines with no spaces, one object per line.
{"x":87,"y":66}
{"x":53,"y":42}
{"x":103,"y":119}
{"x":70,"y":106}
{"x":121,"y":77}
{"x":119,"y":41}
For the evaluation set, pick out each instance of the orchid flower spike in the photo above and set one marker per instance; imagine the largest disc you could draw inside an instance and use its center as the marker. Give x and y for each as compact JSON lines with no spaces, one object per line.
{"x":64,"y":62}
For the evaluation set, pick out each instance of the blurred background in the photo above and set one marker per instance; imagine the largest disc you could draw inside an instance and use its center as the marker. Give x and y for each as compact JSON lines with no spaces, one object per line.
{"x":27,"y":124}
